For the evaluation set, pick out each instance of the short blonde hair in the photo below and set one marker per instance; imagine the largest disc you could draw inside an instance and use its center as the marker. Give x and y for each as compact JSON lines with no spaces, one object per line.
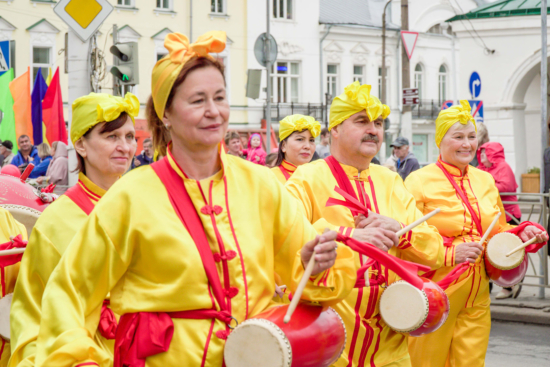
{"x":44,"y":150}
{"x":482,"y":134}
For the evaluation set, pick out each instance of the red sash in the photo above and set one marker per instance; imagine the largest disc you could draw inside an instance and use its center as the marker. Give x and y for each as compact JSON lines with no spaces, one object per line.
{"x":144,"y":334}
{"x":16,"y":242}
{"x":80,"y":198}
{"x":342,"y":179}
{"x":285,"y":173}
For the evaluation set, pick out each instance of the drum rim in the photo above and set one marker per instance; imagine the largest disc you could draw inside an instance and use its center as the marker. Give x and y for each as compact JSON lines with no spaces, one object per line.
{"x":15,"y":206}
{"x":427,"y":302}
{"x":278,"y":329}
{"x":498,"y":266}
{"x":345,"y":334}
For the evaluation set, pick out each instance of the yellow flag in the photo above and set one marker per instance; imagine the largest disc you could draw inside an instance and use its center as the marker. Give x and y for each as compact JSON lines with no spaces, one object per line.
{"x":49,"y":78}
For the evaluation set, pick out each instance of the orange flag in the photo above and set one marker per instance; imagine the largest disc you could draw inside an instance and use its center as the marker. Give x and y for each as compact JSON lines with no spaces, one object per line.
{"x":21,"y":92}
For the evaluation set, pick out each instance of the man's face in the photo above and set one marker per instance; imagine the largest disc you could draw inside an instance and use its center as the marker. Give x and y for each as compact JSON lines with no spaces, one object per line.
{"x":359,"y":136}
{"x":148,"y":148}
{"x":325,"y":139}
{"x":235,"y":146}
{"x":401,"y":152}
{"x":25,"y":144}
{"x":3,"y":150}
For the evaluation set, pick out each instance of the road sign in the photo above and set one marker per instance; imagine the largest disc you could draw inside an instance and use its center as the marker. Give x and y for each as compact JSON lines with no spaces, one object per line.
{"x":260,"y":47}
{"x":83,"y":16}
{"x":475,"y":85}
{"x":408,"y":101}
{"x":446,"y":105}
{"x":477,"y":110}
{"x":409,"y":41}
{"x":4,"y":56}
{"x":410,"y":92}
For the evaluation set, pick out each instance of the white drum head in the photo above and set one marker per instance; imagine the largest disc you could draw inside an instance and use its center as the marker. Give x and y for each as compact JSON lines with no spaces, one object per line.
{"x":257,"y":343}
{"x":5,"y":307}
{"x":404,"y":307}
{"x":499,"y":246}
{"x":24,"y":215}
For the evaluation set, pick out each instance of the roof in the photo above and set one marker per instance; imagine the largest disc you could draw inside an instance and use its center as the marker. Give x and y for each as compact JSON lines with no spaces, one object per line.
{"x":354,"y":12}
{"x":45,"y":21}
{"x":502,"y":8}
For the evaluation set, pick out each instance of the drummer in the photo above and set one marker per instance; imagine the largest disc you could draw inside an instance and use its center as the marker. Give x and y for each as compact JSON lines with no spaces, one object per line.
{"x":103,"y":134}
{"x":9,"y":228}
{"x":187,"y":246}
{"x":469,"y":201}
{"x":357,"y":131}
{"x":297,"y":135}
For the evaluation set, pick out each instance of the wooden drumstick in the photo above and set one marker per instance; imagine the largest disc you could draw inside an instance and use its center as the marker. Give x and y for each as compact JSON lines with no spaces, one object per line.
{"x":488,"y":231}
{"x":522,"y":246}
{"x":300,"y":289}
{"x":416,"y":222}
{"x":12,"y":251}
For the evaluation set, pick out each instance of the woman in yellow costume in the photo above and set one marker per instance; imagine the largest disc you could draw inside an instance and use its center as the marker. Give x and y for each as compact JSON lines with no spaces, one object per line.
{"x":297,"y":135}
{"x":167,"y":241}
{"x":469,"y":201}
{"x":103,"y":134}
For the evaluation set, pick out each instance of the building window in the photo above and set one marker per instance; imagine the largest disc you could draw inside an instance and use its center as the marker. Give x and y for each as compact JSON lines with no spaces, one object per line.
{"x":285,"y":82}
{"x":436,"y":29}
{"x":128,"y":3}
{"x":160,"y":56}
{"x":332,"y":80}
{"x":282,"y":9}
{"x":164,"y":5}
{"x":41,"y":57}
{"x":380,"y":83}
{"x":418,"y":77}
{"x":217,"y":6}
{"x":442,"y":83}
{"x":358,"y":73}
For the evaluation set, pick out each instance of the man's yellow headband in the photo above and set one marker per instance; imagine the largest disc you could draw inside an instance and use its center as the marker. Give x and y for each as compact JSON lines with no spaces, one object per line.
{"x":95,"y":108}
{"x":180,"y":51}
{"x":451,"y":116}
{"x":293,"y":123}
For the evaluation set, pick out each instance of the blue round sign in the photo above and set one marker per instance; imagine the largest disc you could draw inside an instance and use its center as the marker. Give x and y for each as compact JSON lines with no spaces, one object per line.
{"x":475,"y":85}
{"x":446,"y":105}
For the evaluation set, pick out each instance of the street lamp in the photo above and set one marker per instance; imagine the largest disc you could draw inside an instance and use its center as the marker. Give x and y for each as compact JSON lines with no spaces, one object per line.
{"x":383,"y":73}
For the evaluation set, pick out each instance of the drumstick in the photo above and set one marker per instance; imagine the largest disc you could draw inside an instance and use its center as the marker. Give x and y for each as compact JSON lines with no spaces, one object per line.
{"x":12,"y":251}
{"x":300,"y":289}
{"x":416,"y":222}
{"x":524,"y":245}
{"x":488,"y":231}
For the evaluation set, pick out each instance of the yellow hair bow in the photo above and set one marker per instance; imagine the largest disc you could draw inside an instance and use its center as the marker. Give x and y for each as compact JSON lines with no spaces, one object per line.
{"x":356,"y":98}
{"x":109,"y":110}
{"x":293,"y":123}
{"x":167,"y":69}
{"x":451,"y":116}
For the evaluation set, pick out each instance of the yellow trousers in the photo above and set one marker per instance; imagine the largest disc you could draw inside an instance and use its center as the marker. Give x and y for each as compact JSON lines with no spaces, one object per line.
{"x":462,"y":341}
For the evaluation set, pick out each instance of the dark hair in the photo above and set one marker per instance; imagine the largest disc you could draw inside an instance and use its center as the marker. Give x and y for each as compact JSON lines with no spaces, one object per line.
{"x":324,"y":131}
{"x":270,"y":158}
{"x":230,"y":135}
{"x":106,"y":128}
{"x":22,"y":136}
{"x":161,"y":135}
{"x":147,"y":140}
{"x":8,"y":144}
{"x":280,"y":153}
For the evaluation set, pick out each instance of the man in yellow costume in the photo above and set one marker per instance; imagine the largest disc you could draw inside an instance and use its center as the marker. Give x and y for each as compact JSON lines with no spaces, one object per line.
{"x":469,"y":201}
{"x":357,"y":128}
{"x":11,"y":231}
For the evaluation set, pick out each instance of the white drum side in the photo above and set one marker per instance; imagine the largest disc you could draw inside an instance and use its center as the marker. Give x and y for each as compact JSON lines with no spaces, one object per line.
{"x":404,"y":307}
{"x":499,"y":246}
{"x":5,"y":307}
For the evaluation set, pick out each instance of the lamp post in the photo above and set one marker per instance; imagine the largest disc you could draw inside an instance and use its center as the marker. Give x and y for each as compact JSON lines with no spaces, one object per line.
{"x":383,"y":73}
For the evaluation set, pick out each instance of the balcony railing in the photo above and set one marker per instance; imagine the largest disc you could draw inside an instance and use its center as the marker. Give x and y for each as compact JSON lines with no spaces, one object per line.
{"x":426,"y":109}
{"x":280,"y":110}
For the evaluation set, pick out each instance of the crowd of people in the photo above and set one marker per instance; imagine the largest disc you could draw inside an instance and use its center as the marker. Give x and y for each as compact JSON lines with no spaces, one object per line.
{"x":157,"y":266}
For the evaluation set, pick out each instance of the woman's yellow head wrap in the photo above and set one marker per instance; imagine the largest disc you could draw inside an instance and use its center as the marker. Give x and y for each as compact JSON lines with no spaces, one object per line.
{"x":167,"y":69}
{"x":451,"y":116}
{"x":293,"y":123}
{"x":356,"y":98}
{"x":95,"y":108}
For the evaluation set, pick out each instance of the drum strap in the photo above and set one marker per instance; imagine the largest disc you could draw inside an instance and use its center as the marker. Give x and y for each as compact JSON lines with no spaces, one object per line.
{"x":80,"y":198}
{"x":463,"y":197}
{"x":144,"y":334}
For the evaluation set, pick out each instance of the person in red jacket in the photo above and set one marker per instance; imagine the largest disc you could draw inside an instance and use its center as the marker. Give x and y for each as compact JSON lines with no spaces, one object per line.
{"x":491,"y":159}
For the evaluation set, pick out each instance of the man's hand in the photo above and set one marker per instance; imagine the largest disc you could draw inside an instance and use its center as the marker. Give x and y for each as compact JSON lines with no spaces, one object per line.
{"x":467,"y":252}
{"x":137,"y":163}
{"x":532,"y":231}
{"x":381,"y":238}
{"x":323,"y":247}
{"x":376,"y":221}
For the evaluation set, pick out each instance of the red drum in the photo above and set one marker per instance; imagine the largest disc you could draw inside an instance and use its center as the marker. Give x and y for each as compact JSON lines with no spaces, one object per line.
{"x":407,"y":309}
{"x":315,"y":337}
{"x":507,"y":278}
{"x":505,"y":271}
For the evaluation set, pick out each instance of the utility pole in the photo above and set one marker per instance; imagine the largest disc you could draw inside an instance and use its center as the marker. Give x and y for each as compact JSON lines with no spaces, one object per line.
{"x":544,"y":127}
{"x":268,"y":84}
{"x":406,"y":121}
{"x":115,"y":61}
{"x":383,"y":74}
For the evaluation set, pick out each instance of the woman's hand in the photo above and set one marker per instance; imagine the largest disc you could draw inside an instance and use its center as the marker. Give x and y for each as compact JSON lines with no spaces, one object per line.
{"x":39,"y":180}
{"x":376,"y":221}
{"x":323,"y":247}
{"x":383,"y":239}
{"x":533,"y":231}
{"x":467,"y":252}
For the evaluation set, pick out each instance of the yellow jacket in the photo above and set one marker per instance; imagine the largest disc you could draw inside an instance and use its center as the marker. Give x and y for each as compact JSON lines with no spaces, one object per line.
{"x":50,"y":237}
{"x":9,"y":228}
{"x":285,"y":166}
{"x":135,"y":246}
{"x":369,"y":339}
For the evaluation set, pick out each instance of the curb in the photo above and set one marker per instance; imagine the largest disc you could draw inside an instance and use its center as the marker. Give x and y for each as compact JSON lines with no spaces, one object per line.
{"x":524,"y":315}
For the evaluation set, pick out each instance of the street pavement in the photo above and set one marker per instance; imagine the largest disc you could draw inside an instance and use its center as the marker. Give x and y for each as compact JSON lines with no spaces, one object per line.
{"x":518,"y":345}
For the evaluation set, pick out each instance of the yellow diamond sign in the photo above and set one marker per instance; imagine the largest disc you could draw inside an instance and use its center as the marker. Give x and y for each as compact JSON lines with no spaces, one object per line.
{"x":83,"y":16}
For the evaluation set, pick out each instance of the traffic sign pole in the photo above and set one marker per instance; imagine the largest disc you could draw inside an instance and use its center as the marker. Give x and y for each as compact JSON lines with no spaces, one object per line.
{"x":268,"y":84}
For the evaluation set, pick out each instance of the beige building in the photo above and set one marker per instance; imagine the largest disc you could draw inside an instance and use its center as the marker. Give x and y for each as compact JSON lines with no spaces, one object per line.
{"x":39,"y":35}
